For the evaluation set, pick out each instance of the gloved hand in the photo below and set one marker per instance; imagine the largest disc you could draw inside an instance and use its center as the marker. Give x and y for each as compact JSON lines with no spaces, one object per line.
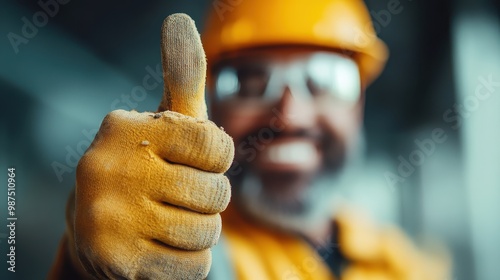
{"x":151,"y":185}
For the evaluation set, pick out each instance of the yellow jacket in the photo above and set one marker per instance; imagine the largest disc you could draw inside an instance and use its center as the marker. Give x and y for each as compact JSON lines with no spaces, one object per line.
{"x":249,"y":251}
{"x":257,"y":252}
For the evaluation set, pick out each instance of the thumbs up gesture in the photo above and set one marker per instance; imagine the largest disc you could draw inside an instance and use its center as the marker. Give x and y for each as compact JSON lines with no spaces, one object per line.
{"x":150,"y":187}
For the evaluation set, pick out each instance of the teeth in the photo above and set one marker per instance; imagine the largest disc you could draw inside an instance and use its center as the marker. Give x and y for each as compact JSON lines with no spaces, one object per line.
{"x":291,"y":153}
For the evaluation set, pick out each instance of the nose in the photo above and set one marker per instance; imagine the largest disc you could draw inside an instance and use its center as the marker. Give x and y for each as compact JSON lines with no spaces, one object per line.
{"x":295,"y":113}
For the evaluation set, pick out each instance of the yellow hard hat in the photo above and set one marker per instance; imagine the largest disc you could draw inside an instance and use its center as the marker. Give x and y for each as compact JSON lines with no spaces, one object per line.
{"x":341,"y":25}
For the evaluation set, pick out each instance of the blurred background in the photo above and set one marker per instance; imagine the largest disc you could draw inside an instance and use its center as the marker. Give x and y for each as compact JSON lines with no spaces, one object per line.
{"x":443,"y":77}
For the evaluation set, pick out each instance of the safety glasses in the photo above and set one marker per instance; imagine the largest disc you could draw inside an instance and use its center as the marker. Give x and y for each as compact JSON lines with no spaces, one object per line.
{"x":306,"y":76}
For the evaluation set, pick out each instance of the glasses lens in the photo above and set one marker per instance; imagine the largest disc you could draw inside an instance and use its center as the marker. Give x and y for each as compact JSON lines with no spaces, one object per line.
{"x":244,"y":82}
{"x":316,"y":75}
{"x":227,"y":83}
{"x":334,"y":75}
{"x":253,"y":81}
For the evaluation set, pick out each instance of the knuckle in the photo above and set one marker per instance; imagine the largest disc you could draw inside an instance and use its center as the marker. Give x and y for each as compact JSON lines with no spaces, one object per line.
{"x":171,"y":265}
{"x":122,"y":121}
{"x":111,"y":119}
{"x":213,"y":230}
{"x":223,"y":193}
{"x":228,"y":154}
{"x":109,"y":125}
{"x":202,"y":143}
{"x":213,"y":194}
{"x":222,"y":147}
{"x":204,"y":234}
{"x":87,"y":167}
{"x":92,"y":166}
{"x":227,"y":192}
{"x":116,"y":114}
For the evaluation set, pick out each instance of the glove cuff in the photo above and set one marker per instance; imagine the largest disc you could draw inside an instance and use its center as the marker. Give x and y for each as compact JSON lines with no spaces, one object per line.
{"x":67,"y":264}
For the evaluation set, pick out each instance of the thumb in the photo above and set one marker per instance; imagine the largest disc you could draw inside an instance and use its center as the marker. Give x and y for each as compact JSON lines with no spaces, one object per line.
{"x":184,"y":67}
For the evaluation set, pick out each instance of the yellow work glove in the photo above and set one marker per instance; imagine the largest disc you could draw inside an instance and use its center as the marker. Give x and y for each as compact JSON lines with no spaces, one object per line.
{"x":151,"y":185}
{"x":385,"y":253}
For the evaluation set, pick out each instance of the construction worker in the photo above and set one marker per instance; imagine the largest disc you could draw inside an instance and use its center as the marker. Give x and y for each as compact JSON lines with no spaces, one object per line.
{"x":286,"y":81}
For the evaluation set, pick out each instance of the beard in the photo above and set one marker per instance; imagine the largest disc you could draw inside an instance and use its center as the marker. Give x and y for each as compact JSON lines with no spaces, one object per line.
{"x":300,"y":203}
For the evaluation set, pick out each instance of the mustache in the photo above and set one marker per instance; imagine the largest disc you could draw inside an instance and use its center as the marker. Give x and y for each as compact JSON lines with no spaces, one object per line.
{"x":308,"y":133}
{"x":248,"y":147}
{"x":259,"y":138}
{"x":265,"y":135}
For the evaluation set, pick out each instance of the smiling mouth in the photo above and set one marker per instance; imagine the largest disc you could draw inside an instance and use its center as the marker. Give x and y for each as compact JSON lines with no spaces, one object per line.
{"x":290,"y":154}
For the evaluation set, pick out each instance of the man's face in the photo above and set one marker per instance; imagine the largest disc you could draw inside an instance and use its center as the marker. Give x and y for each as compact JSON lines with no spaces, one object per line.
{"x":294,"y":115}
